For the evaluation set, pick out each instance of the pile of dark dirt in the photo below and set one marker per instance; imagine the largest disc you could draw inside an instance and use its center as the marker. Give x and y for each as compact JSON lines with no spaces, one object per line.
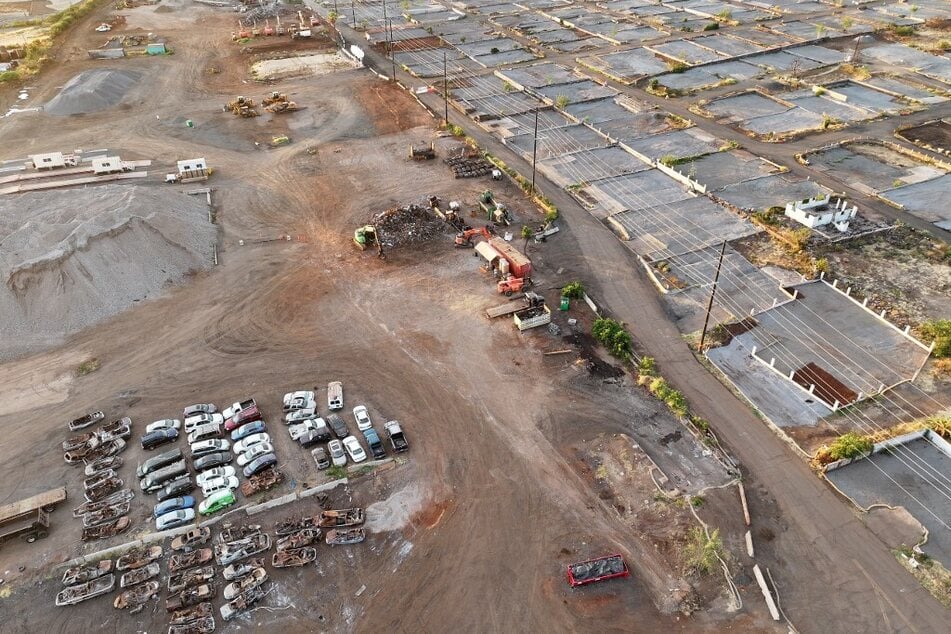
{"x":407,"y":226}
{"x":596,"y":366}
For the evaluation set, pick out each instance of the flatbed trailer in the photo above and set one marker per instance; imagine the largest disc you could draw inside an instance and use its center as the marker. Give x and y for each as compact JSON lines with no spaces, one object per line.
{"x":29,"y":518}
{"x":506,"y":309}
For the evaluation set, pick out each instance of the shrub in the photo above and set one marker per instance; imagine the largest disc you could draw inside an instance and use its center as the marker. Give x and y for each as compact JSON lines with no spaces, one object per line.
{"x":903,"y":31}
{"x":561,"y":101}
{"x":9,"y":75}
{"x":613,"y":336}
{"x":849,"y":445}
{"x":647,"y":366}
{"x":574,"y":290}
{"x":87,"y":367}
{"x":337,"y":472}
{"x":701,"y":553}
{"x":677,"y":67}
{"x":941,"y":425}
{"x":939,"y":330}
{"x":713,"y":26}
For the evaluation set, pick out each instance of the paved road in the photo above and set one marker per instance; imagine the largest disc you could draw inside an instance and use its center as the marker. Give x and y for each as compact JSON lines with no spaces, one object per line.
{"x":834,"y":575}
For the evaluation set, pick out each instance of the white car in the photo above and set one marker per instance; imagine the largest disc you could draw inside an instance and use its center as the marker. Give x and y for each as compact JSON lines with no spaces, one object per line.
{"x":335,"y":395}
{"x":253,"y":452}
{"x":300,"y":414}
{"x":202,"y":419}
{"x":298,"y":430}
{"x":363,"y":417}
{"x":337,"y":454}
{"x":215,"y":472}
{"x":213,"y":485}
{"x":354,"y":450}
{"x":165,"y":423}
{"x":203,"y":447}
{"x":174,"y":519}
{"x":254,"y":439}
{"x":302,"y":399}
{"x":199,"y":408}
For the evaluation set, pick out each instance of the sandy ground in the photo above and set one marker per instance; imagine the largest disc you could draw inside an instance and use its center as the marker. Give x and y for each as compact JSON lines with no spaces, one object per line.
{"x":474,"y":531}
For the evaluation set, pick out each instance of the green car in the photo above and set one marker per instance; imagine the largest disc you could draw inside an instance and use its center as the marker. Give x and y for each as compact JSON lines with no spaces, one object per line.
{"x":216,"y":501}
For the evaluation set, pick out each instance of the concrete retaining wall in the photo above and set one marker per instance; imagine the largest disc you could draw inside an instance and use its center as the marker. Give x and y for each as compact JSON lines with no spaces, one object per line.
{"x":107,"y":53}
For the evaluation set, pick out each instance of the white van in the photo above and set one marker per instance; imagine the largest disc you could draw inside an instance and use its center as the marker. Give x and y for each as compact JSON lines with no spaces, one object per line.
{"x":335,"y":395}
{"x":204,"y":432}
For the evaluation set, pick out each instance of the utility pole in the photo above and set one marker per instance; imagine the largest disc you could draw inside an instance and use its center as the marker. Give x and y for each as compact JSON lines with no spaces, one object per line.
{"x":445,"y":86}
{"x":353,"y":13}
{"x":392,"y":58}
{"x":713,"y":293}
{"x":534,"y":151}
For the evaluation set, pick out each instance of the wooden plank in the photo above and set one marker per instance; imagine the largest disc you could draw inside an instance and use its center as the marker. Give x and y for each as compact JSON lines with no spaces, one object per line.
{"x":29,"y":505}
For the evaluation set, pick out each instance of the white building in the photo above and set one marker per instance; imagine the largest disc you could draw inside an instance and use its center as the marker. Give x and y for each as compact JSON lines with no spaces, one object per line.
{"x":49,"y":160}
{"x":188,"y":166}
{"x":820,"y":210}
{"x":106,"y":164}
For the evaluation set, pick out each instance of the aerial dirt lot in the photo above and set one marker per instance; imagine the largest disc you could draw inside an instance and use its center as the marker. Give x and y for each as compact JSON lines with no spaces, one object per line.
{"x":472,"y":530}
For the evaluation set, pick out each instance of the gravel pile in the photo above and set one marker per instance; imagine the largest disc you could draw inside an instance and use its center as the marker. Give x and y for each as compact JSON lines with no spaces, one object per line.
{"x":91,"y":91}
{"x":71,"y":258}
{"x":406,"y":226}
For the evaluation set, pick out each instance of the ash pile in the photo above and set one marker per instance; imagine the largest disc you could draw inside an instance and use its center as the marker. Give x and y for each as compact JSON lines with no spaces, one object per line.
{"x":407,"y":226}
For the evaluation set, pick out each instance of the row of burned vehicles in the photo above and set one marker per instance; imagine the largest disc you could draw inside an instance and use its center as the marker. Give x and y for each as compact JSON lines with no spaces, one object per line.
{"x":104,"y":513}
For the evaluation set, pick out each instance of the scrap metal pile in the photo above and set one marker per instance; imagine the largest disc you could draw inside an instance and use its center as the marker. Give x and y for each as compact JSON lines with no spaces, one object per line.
{"x":407,"y":226}
{"x":107,"y":504}
{"x":469,"y":165}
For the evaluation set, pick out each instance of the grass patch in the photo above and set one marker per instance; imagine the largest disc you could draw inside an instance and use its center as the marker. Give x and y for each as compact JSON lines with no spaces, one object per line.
{"x":88,"y":367}
{"x":931,"y":574}
{"x":337,"y":472}
{"x":938,"y":331}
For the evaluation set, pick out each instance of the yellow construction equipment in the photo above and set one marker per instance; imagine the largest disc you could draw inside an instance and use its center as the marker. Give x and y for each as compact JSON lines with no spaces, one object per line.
{"x":274,"y":97}
{"x":242,"y":107}
{"x":281,"y":107}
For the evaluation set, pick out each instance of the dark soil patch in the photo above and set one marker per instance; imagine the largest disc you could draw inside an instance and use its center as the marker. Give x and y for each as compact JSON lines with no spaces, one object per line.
{"x":596,"y":366}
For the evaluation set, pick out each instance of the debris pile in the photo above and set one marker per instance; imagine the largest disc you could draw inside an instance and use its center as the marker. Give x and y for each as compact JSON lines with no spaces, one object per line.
{"x":406,"y":226}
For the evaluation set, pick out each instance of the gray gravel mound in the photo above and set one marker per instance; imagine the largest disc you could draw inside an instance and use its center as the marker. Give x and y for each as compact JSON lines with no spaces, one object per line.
{"x":92,"y":90}
{"x":71,"y":258}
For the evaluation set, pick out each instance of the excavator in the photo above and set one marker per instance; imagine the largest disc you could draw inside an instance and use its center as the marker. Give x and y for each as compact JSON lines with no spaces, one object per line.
{"x":464,"y":239}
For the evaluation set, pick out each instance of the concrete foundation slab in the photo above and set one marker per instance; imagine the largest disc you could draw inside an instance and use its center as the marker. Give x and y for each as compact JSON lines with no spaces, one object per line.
{"x":914,"y":476}
{"x":828,"y":329}
{"x":769,"y":191}
{"x":678,"y":143}
{"x":781,"y":402}
{"x":927,"y":199}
